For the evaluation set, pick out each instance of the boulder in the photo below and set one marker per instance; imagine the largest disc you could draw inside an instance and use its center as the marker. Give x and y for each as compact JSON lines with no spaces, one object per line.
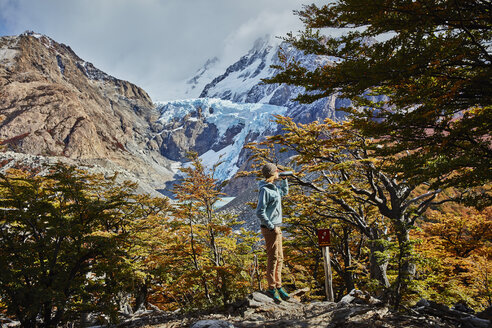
{"x":212,"y":324}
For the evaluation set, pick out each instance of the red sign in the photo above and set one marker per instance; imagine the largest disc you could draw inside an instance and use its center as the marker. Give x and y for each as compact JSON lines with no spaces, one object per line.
{"x":323,"y":237}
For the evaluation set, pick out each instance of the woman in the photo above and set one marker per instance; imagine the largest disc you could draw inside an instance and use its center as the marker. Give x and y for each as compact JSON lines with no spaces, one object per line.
{"x":269,"y":211}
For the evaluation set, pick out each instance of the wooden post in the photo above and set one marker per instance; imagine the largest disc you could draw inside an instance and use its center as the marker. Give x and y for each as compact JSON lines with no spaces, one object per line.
{"x":324,"y":243}
{"x":328,"y":274}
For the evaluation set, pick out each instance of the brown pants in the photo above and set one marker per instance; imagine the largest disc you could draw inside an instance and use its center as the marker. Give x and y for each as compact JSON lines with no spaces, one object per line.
{"x":275,"y":256}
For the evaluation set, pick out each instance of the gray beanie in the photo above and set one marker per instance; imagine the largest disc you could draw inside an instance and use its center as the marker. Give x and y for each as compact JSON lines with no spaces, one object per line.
{"x":268,"y":170}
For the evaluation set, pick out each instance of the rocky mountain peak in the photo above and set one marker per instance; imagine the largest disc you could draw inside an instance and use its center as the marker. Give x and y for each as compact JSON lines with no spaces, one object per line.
{"x":53,"y":103}
{"x":246,"y":72}
{"x":242,"y":81}
{"x":203,"y":75}
{"x":263,"y":43}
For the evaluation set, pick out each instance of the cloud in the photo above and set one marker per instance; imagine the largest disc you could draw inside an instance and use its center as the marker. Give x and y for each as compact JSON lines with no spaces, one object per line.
{"x":156,"y":44}
{"x":274,"y":23}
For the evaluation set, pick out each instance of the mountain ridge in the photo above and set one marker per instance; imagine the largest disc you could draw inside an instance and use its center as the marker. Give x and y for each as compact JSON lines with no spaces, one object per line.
{"x":55,"y":104}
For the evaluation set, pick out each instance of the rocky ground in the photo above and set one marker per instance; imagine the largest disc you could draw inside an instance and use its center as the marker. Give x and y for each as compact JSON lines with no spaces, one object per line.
{"x":356,"y":310}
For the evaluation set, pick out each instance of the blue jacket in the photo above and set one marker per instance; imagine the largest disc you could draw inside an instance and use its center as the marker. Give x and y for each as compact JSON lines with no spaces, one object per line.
{"x":269,"y":208}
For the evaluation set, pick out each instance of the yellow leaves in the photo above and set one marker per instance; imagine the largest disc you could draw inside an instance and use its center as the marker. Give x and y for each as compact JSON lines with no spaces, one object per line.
{"x":457,"y":252}
{"x":463,"y":233}
{"x":315,"y":141}
{"x":103,"y":234}
{"x":194,"y":255}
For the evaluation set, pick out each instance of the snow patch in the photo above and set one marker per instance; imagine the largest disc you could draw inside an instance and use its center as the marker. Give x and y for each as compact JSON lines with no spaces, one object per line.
{"x":175,"y":166}
{"x":228,"y":156}
{"x":7,"y":56}
{"x":34,"y":34}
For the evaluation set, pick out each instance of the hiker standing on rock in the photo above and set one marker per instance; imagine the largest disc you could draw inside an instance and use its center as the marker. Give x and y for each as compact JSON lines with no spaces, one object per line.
{"x":269,"y":211}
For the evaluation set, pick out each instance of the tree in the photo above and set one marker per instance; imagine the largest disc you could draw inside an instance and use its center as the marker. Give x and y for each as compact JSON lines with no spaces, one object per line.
{"x":347,"y":183}
{"x":148,"y":233}
{"x":429,"y":63}
{"x":61,"y":237}
{"x":305,"y":213}
{"x":218,"y":256}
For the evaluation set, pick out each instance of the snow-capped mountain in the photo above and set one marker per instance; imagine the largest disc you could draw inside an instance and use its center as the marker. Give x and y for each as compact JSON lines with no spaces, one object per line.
{"x":241,"y":85}
{"x":88,"y":114}
{"x":216,"y":129}
{"x":242,"y":82}
{"x":195,"y":84}
{"x":235,"y":107}
{"x":236,"y":82}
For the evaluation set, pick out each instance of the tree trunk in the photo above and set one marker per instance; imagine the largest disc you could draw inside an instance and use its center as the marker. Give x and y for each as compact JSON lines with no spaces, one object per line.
{"x":346,"y":271}
{"x":47,"y":310}
{"x":378,"y":263}
{"x":141,"y":297}
{"x":224,"y":288}
{"x":211,"y":232}
{"x":406,"y":264}
{"x":348,"y":276}
{"x":195,"y":262}
{"x":348,"y":280}
{"x":50,"y":318}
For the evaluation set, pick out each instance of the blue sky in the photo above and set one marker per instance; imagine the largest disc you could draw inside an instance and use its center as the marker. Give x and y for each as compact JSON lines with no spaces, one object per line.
{"x":156,"y":44}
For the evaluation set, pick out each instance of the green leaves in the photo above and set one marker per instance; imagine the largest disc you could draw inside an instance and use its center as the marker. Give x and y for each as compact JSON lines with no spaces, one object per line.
{"x":60,"y":233}
{"x":428,"y":62}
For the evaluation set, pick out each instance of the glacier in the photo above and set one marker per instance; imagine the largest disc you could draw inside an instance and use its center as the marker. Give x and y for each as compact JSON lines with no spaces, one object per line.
{"x":224,"y":114}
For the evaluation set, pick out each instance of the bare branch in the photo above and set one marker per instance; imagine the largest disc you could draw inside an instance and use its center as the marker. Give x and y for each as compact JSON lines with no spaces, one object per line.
{"x":432,"y":194}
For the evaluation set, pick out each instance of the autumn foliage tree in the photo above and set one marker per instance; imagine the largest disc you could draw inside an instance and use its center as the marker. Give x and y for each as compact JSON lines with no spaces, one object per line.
{"x":61,"y":244}
{"x":215,"y":257}
{"x":147,"y":233}
{"x":73,"y":242}
{"x":455,"y":249}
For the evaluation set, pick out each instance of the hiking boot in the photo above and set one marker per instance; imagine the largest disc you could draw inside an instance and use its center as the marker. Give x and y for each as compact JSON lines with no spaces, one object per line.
{"x":273,"y":293}
{"x":283,"y":294}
